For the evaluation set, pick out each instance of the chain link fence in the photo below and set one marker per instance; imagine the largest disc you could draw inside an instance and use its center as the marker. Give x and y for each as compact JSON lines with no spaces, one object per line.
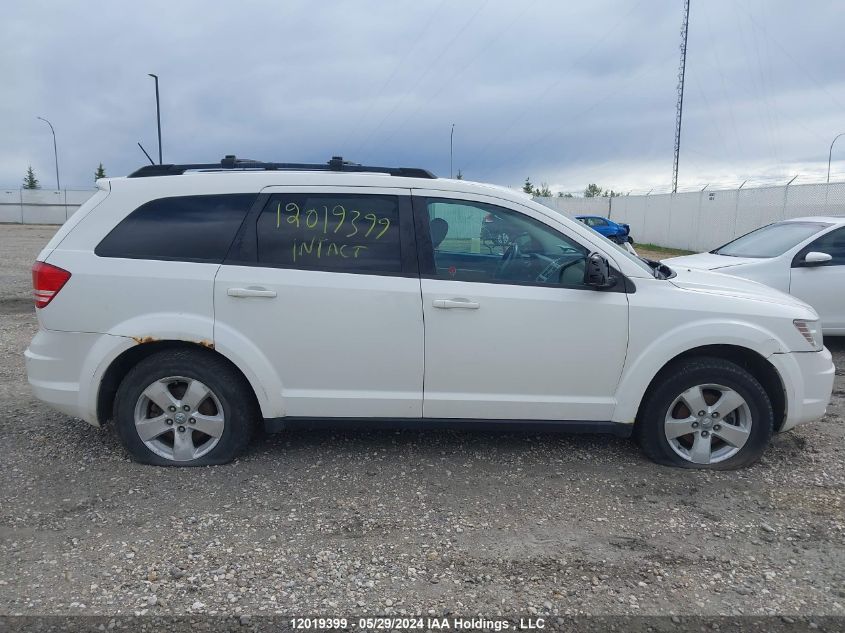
{"x":701,"y":221}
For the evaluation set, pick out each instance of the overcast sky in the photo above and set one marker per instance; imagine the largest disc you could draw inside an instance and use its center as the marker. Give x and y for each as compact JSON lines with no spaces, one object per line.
{"x":564,"y":92}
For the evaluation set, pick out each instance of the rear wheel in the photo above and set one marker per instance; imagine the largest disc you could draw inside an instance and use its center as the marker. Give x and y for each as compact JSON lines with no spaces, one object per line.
{"x":184,"y":408}
{"x":706,"y":413}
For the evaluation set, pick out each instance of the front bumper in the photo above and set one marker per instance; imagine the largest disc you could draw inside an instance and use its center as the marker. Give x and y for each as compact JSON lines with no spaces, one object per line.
{"x":808,"y":383}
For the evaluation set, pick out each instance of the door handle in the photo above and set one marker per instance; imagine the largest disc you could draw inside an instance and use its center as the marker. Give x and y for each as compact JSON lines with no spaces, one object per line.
{"x":250,"y":292}
{"x":448,"y":304}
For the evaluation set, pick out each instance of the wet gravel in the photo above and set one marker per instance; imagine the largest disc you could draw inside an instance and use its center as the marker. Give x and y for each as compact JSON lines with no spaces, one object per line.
{"x":403,"y":522}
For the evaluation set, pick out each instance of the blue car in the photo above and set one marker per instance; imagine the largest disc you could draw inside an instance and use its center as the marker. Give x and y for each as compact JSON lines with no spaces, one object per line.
{"x":619,"y":233}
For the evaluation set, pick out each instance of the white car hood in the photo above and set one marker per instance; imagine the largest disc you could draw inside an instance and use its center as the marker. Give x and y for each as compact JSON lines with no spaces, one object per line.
{"x":708,"y":261}
{"x":730,"y":286}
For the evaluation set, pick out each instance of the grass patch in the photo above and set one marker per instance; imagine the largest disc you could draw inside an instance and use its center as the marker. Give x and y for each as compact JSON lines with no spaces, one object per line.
{"x":662,"y":250}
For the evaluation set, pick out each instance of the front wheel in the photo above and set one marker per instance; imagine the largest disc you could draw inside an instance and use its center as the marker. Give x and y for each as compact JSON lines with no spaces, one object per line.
{"x":706,"y":413}
{"x":184,"y":408}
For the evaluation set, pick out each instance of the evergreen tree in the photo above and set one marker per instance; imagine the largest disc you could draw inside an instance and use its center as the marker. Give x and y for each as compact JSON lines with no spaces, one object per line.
{"x":100,"y":173}
{"x":30,"y":181}
{"x":543,"y":190}
{"x":528,"y":187}
{"x":592,"y":191}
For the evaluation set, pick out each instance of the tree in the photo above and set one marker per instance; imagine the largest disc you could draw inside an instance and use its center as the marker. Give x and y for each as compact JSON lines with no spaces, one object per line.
{"x":30,"y":181}
{"x":543,"y":190}
{"x":560,"y":194}
{"x":459,"y":175}
{"x":100,"y":173}
{"x":592,"y":191}
{"x":528,"y":187}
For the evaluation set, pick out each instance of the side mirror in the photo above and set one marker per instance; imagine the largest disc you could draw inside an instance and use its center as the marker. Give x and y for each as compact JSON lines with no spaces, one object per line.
{"x":814,"y":258}
{"x":597,"y":272}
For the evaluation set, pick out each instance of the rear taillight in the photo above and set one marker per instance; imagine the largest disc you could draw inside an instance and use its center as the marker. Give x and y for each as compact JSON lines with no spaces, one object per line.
{"x":47,"y":280}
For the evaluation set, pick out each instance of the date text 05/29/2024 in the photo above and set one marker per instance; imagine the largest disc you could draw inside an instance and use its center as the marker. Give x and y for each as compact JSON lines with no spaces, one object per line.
{"x":417,"y":623}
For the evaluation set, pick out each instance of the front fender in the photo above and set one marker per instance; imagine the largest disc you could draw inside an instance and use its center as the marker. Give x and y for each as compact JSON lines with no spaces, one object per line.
{"x":645,"y":359}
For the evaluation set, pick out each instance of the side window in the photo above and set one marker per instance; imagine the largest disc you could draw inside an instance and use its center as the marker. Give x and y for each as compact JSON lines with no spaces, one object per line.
{"x":352,"y":233}
{"x":833,"y":244}
{"x":475,"y":241}
{"x":183,"y":228}
{"x":599,"y":222}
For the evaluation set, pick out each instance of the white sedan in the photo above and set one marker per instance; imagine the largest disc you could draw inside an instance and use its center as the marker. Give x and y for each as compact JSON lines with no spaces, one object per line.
{"x":803,"y":256}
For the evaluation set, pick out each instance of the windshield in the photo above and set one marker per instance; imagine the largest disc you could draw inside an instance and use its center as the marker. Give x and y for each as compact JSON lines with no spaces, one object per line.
{"x":770,"y":241}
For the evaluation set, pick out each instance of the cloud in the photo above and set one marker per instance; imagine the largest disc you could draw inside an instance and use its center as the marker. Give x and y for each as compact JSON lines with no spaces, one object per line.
{"x":566,"y":93}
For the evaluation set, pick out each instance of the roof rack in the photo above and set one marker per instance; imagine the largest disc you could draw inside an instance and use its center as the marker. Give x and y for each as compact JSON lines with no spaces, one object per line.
{"x":230,"y":163}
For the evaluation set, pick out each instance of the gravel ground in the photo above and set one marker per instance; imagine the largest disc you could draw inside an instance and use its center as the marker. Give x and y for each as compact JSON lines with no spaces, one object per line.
{"x":403,"y":522}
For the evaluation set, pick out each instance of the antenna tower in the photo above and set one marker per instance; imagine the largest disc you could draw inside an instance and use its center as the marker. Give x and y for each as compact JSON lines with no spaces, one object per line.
{"x":679,"y":109}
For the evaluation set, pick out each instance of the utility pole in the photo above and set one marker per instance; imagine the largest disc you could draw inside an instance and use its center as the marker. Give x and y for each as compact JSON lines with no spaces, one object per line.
{"x":158,"y":117}
{"x":680,"y":104}
{"x":451,"y":136}
{"x":830,"y":155}
{"x":55,"y":151}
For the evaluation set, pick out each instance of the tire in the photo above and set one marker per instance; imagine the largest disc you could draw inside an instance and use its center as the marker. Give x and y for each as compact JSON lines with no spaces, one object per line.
{"x":732,"y":440}
{"x":630,"y":240}
{"x":215,"y":427}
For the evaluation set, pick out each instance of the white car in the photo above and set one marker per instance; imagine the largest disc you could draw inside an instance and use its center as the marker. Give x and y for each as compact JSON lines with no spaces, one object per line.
{"x":804,"y":257}
{"x":187,"y":303}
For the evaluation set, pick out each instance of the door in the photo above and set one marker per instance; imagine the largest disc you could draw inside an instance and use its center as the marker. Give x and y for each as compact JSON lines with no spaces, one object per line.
{"x":823,"y":285}
{"x":324,"y":282}
{"x":511,"y":331}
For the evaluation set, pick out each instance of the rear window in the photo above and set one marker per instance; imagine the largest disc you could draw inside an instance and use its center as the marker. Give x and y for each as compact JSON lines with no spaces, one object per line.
{"x":349,"y":233}
{"x":183,"y":228}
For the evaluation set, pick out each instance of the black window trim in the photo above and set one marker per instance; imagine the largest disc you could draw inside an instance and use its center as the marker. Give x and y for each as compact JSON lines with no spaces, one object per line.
{"x":244,"y":251}
{"x":425,"y":251}
{"x":167,"y":258}
{"x":798,"y":260}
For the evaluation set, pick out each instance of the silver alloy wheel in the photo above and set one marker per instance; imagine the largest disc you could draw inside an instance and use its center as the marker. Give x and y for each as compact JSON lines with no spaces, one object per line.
{"x":179,"y":418}
{"x":707,"y":424}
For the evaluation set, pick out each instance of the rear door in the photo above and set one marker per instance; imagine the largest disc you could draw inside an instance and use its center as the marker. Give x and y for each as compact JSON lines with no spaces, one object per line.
{"x":823,"y":285}
{"x":511,"y":331}
{"x":323,"y":287}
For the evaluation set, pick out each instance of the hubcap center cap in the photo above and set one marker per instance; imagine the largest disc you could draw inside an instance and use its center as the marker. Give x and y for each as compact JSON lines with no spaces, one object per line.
{"x":180,"y":418}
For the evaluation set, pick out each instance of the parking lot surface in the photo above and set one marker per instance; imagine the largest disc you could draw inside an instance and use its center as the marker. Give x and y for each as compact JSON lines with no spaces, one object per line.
{"x":321,"y":522}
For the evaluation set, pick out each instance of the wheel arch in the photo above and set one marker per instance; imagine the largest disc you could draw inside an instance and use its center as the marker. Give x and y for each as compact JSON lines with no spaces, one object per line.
{"x":124,"y":362}
{"x":750,"y":360}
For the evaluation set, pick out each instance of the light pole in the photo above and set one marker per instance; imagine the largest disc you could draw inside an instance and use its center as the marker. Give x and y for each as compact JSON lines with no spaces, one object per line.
{"x":451,"y":136}
{"x":55,"y":151}
{"x":158,"y":117}
{"x":830,"y":154}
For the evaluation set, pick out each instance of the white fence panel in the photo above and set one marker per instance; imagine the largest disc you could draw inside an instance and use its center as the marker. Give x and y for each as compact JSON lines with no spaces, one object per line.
{"x":630,"y":210}
{"x":10,"y":205}
{"x":577,"y":206}
{"x":656,"y":220}
{"x":683,"y":225}
{"x":716,"y":219}
{"x":43,"y":207}
{"x":758,"y":207}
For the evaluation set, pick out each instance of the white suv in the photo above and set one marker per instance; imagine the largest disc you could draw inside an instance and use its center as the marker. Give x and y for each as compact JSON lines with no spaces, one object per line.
{"x":186,"y":303}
